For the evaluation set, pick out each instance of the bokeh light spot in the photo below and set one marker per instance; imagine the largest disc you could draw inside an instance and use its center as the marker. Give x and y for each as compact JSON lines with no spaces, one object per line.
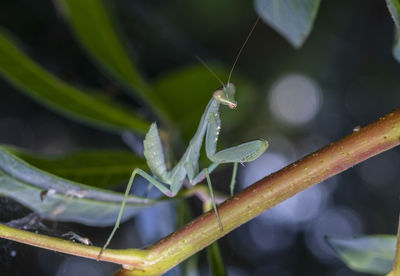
{"x":295,"y":99}
{"x":339,"y":222}
{"x":381,"y":170}
{"x":266,"y":164}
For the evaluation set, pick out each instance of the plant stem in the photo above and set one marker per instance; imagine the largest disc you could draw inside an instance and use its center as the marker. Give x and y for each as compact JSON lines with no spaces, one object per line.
{"x":136,"y":256}
{"x":263,"y":195}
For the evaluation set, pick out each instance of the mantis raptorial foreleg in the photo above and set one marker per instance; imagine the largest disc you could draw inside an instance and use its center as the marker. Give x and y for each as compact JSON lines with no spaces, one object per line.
{"x":242,"y":153}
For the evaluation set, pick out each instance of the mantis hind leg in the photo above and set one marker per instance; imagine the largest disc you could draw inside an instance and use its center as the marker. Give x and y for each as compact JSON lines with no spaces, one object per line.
{"x":149,"y":178}
{"x":213,"y":200}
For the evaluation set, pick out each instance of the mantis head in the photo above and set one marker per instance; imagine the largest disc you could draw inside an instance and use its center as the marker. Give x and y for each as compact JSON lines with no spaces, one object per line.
{"x":226,"y":95}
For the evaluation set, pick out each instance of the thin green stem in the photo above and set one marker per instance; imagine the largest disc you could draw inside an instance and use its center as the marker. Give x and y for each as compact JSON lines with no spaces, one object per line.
{"x":133,"y":257}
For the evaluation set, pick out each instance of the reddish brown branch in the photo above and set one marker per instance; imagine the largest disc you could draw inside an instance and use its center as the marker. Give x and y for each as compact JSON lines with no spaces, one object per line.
{"x":277,"y":187}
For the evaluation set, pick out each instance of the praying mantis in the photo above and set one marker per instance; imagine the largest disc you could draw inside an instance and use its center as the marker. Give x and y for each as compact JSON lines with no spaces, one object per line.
{"x":169,"y":182}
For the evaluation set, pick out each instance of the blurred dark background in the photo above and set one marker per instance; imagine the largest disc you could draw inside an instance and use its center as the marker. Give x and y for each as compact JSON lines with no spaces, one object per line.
{"x":344,"y":76}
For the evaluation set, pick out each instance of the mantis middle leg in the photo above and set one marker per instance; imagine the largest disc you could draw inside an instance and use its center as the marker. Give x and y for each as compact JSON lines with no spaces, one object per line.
{"x":202,"y":175}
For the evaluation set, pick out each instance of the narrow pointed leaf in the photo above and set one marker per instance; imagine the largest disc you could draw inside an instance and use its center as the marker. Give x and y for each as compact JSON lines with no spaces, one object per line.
{"x":369,"y":254}
{"x":215,"y":262}
{"x":35,"y":81}
{"x":189,"y":267}
{"x":394,"y":8}
{"x":93,"y":25}
{"x":93,"y":167}
{"x":56,"y":198}
{"x":293,"y":19}
{"x":214,"y":257}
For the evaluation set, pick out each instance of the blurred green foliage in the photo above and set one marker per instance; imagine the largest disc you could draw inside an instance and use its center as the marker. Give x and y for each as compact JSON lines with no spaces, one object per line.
{"x":96,"y":168}
{"x":60,"y":199}
{"x":369,"y":254}
{"x":342,"y":54}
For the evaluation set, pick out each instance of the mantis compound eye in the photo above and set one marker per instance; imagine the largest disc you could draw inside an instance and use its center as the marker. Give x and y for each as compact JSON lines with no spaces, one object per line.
{"x":219,"y":95}
{"x":226,"y":97}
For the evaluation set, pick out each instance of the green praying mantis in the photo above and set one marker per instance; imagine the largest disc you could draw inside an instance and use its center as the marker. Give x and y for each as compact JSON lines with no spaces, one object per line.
{"x":169,"y":182}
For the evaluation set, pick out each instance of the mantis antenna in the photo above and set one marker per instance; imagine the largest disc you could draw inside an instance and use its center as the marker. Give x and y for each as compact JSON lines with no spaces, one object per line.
{"x":236,"y":58}
{"x":209,"y":70}
{"x":241,"y":49}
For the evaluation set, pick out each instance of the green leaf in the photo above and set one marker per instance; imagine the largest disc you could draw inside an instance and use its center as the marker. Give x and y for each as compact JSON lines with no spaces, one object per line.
{"x":369,"y":254}
{"x":188,"y":90}
{"x":56,"y":198}
{"x":93,"y":167}
{"x":93,"y":26}
{"x":215,"y":260}
{"x":52,"y":92}
{"x":293,"y":19}
{"x":394,"y":8}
